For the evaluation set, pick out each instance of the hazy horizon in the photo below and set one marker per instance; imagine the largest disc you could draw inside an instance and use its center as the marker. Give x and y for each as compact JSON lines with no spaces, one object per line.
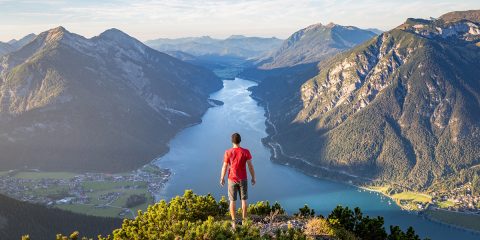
{"x":146,"y":19}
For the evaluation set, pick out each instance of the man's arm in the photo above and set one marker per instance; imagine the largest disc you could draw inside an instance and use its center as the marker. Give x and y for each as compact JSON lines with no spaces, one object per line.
{"x":224,"y":171}
{"x":252,"y":171}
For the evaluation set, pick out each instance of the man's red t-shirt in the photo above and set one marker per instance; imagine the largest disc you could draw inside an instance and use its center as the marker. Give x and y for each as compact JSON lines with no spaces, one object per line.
{"x":237,"y":159}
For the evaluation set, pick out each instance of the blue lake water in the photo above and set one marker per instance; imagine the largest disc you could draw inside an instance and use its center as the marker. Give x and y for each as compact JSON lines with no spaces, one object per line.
{"x":196,"y":156}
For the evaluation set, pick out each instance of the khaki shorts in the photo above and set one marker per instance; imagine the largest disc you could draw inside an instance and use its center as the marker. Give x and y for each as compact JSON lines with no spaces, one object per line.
{"x":240,"y":187}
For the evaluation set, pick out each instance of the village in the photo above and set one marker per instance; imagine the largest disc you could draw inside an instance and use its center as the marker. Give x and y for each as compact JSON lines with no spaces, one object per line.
{"x":100,"y":194}
{"x":461,"y":199}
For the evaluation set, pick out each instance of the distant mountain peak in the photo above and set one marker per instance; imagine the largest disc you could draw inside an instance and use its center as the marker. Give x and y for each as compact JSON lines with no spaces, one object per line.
{"x":54,"y":35}
{"x":121,"y":39}
{"x":314,"y":26}
{"x":320,"y":25}
{"x":331,"y":25}
{"x":470,"y":15}
{"x":29,"y":37}
{"x":314,"y":43}
{"x":114,"y":32}
{"x":236,"y":37}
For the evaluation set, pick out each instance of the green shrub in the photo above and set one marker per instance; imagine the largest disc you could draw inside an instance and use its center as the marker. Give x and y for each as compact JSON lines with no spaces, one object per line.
{"x":263,"y":208}
{"x":195,"y":217}
{"x":305,"y":212}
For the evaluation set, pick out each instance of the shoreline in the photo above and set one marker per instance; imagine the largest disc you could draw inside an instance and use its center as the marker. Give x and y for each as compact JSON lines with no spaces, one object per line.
{"x":420,"y":213}
{"x":430,"y":218}
{"x":277,"y":155}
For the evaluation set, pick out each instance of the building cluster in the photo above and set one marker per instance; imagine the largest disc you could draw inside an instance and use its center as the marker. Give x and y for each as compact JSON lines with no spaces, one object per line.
{"x":73,"y":190}
{"x":462,"y":197}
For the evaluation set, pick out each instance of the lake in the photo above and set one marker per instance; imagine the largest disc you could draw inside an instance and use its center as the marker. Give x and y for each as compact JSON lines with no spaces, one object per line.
{"x":196,"y":156}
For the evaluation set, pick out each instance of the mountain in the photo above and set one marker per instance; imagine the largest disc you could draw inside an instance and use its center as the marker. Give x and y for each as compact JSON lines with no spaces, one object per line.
{"x":17,"y":44}
{"x":109,"y":103}
{"x":401,"y":108}
{"x":375,"y":30}
{"x":5,"y":48}
{"x":21,"y":218}
{"x":471,"y":15}
{"x":313,"y":44}
{"x":234,"y":46}
{"x":281,"y":75}
{"x":182,"y":56}
{"x":14,"y":45}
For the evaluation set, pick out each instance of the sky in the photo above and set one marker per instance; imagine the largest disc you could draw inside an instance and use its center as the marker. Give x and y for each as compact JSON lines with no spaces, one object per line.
{"x":150,"y":19}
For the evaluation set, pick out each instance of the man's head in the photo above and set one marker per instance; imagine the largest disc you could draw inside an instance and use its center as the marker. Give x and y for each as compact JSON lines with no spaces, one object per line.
{"x":236,"y":138}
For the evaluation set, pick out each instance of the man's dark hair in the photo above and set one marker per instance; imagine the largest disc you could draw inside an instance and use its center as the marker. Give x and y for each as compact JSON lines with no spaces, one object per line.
{"x":236,"y":138}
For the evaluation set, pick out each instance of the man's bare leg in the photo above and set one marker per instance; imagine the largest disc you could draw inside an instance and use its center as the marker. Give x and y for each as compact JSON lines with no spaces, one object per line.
{"x":244,"y":209}
{"x":232,"y":212}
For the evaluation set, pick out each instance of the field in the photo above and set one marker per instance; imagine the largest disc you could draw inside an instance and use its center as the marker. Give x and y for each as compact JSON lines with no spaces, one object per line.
{"x":406,"y":200}
{"x":410,"y":200}
{"x":413,"y":197}
{"x":446,"y":204}
{"x":110,"y":207}
{"x":113,"y":207}
{"x":381,"y":189}
{"x":463,"y":220}
{"x":45,"y":175}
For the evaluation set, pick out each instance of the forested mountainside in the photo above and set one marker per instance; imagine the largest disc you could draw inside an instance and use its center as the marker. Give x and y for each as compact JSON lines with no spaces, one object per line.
{"x":20,"y":218}
{"x":402,"y":107}
{"x":109,"y":103}
{"x":313,"y":44}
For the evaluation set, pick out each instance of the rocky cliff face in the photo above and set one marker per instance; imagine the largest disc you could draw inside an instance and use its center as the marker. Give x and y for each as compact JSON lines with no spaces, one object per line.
{"x":108,"y":103}
{"x":402,"y":107}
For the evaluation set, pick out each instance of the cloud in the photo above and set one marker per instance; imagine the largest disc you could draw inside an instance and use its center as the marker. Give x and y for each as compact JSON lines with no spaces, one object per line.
{"x":174,"y":18}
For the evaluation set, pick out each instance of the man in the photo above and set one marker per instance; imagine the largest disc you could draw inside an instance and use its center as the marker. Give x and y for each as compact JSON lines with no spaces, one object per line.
{"x":237,"y":158}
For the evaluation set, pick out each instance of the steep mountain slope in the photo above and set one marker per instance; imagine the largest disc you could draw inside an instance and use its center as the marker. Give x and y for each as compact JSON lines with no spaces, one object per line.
{"x":21,"y":218}
{"x":403,"y":107}
{"x":14,"y":45}
{"x":17,"y":44}
{"x":108,"y":103}
{"x":296,"y":61}
{"x":313,"y":44}
{"x":234,"y":46}
{"x":5,"y":48}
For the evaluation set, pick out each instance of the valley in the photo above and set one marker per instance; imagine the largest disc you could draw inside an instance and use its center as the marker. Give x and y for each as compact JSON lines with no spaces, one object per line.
{"x":186,"y":157}
{"x":97,"y":129}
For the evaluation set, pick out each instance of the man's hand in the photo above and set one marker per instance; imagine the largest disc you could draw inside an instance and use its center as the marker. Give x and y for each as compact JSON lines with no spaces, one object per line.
{"x":254,"y":181}
{"x":222,"y":182}
{"x":222,"y":175}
